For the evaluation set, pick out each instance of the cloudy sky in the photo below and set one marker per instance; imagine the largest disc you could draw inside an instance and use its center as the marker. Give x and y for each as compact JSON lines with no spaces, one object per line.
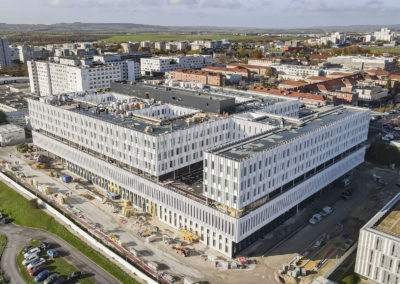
{"x":239,"y":13}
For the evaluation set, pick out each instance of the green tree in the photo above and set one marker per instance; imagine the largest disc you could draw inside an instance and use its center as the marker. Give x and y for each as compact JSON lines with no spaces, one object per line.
{"x":257,"y":53}
{"x":3,"y":118}
{"x":389,"y":84}
{"x":242,"y":52}
{"x":223,"y":59}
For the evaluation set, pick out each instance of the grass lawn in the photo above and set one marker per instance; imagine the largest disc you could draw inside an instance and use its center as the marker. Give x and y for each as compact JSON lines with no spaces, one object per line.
{"x":3,"y":242}
{"x":17,"y":208}
{"x":57,"y":265}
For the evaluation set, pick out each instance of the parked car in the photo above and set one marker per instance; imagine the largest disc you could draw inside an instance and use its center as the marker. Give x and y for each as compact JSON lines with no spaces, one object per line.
{"x":327,"y":209}
{"x":25,"y":250}
{"x":42,"y":276}
{"x":7,"y":220}
{"x":51,"y":279}
{"x":316,"y":218}
{"x":74,"y":275}
{"x":60,"y":280}
{"x":44,"y":245}
{"x":32,"y":251}
{"x":35,"y":263}
{"x":37,"y":269}
{"x":29,"y":259}
{"x":53,"y":253}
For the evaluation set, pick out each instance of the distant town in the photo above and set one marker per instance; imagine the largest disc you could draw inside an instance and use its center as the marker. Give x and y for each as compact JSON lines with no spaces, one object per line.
{"x":267,"y":158}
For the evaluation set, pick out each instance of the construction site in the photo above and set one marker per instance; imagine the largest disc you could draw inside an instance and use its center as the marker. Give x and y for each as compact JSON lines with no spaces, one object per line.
{"x":295,"y":252}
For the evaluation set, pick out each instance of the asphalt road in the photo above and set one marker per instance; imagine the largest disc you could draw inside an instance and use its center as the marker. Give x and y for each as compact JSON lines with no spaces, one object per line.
{"x":18,"y":237}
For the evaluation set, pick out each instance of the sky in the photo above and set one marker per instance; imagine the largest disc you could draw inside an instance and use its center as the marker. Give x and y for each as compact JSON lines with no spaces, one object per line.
{"x":223,"y":13}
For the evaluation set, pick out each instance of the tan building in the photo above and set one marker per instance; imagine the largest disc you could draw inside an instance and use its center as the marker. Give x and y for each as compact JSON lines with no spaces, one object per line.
{"x":228,"y":71}
{"x":203,"y":77}
{"x":256,"y":69}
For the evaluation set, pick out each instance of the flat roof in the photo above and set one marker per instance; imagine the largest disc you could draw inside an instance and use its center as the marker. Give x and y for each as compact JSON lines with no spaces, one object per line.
{"x":255,"y":145}
{"x":139,"y":124}
{"x":194,"y":93}
{"x":390,"y":223}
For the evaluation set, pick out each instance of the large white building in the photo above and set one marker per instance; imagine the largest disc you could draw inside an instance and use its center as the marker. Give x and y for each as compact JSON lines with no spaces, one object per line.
{"x":259,"y":168}
{"x":149,"y":66}
{"x":71,"y":75}
{"x":296,"y":72}
{"x":5,"y":53}
{"x":364,"y":62}
{"x":378,"y":252}
{"x":384,"y":34}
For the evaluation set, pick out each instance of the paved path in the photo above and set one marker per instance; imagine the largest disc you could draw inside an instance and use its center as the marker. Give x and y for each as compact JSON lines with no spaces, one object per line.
{"x":18,"y":237}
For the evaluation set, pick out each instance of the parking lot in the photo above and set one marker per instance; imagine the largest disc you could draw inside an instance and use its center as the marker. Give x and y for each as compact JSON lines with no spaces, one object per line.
{"x":19,"y":237}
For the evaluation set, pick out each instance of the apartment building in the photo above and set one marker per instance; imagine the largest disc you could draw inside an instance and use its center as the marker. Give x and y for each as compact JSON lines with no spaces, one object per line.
{"x":5,"y":54}
{"x":378,"y":252}
{"x":160,"y":65}
{"x":229,"y":71}
{"x":160,"y":45}
{"x":255,"y":69}
{"x":202,"y":77}
{"x":364,"y":62}
{"x":371,"y":93}
{"x":296,"y":72}
{"x":65,"y":75}
{"x":259,"y":167}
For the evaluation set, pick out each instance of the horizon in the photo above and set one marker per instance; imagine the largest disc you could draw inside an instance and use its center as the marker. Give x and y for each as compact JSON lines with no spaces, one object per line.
{"x":258,"y":14}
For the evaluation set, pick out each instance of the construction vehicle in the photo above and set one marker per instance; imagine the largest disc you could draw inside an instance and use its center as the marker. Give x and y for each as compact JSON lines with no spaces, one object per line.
{"x":113,"y":238}
{"x":189,"y":235}
{"x":181,"y":250}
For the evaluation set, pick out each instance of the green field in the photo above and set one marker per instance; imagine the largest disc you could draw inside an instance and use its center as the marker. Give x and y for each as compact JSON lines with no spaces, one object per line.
{"x":57,"y":265}
{"x":3,"y":242}
{"x":190,"y":37}
{"x":391,"y":50}
{"x":171,"y":37}
{"x":18,"y":208}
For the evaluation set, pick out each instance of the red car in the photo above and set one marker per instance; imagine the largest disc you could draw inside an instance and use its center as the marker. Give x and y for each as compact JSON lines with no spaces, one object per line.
{"x":37,"y":270}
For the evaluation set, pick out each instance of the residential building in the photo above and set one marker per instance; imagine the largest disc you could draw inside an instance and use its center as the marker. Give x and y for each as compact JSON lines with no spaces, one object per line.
{"x":288,"y":85}
{"x":5,"y":54}
{"x":71,"y":75}
{"x":145,"y":44}
{"x":229,"y":71}
{"x":378,"y":251}
{"x":296,"y":72}
{"x":160,"y":45}
{"x":371,"y":93}
{"x":160,"y":65}
{"x":203,"y":77}
{"x":258,"y":70}
{"x":130,"y":46}
{"x":305,"y":98}
{"x":384,"y":35}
